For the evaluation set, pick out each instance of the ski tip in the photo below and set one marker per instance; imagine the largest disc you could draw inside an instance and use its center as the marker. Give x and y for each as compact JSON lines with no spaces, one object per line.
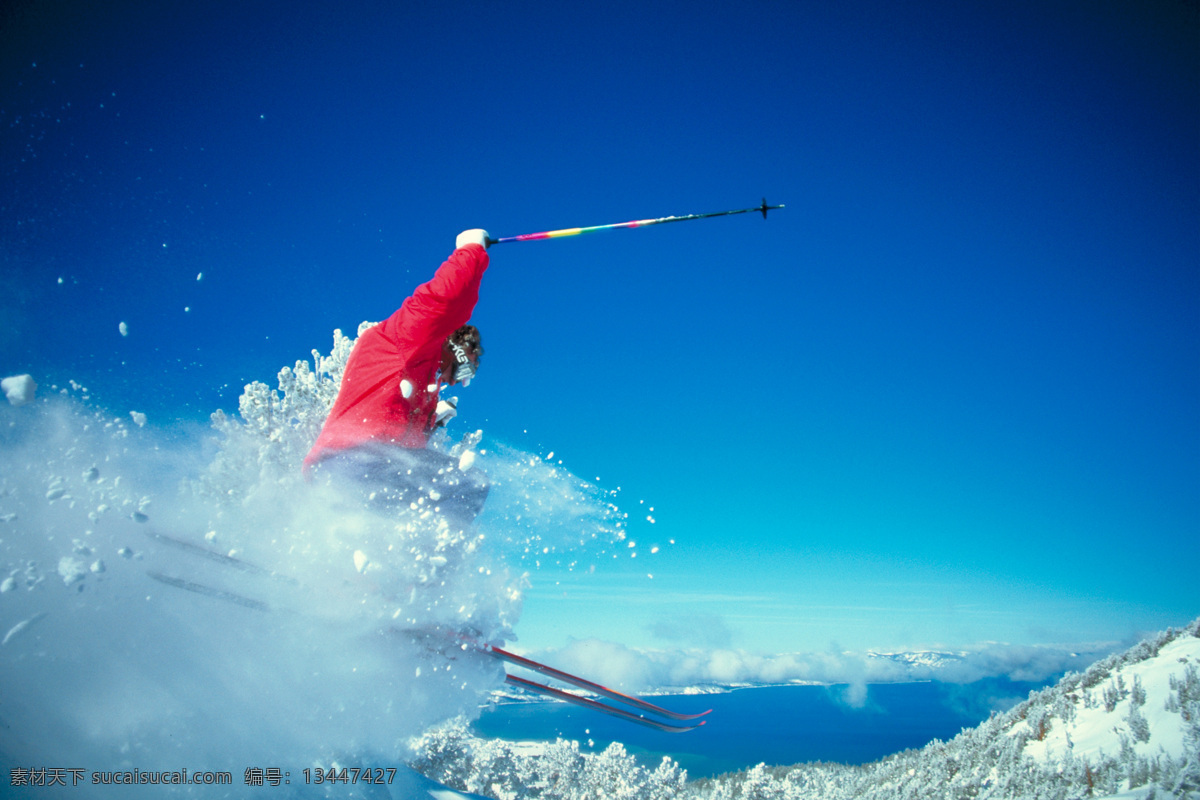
{"x":664,"y":726}
{"x":680,"y":728}
{"x":681,"y":717}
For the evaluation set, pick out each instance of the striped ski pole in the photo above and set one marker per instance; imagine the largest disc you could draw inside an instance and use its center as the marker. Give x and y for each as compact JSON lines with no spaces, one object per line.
{"x":640,"y":223}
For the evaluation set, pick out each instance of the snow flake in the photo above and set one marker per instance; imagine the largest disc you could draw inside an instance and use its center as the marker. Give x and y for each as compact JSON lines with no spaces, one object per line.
{"x":19,"y":389}
{"x":72,"y":570}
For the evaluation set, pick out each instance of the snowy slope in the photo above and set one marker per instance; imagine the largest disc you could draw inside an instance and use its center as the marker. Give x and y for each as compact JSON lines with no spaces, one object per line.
{"x":1139,"y":703}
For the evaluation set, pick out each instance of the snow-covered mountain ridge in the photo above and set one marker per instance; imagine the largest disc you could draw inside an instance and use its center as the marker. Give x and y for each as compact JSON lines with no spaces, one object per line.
{"x":1127,"y":727}
{"x":1139,"y":702}
{"x":930,"y":659}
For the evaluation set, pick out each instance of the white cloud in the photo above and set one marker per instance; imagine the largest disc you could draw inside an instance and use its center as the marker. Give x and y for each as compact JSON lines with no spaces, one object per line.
{"x":642,"y":669}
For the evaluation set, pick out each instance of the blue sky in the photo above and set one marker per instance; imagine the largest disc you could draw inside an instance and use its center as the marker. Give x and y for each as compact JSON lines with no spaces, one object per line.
{"x":950,"y":394}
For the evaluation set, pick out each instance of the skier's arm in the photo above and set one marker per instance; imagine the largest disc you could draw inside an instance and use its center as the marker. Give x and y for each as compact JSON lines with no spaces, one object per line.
{"x":443,"y":304}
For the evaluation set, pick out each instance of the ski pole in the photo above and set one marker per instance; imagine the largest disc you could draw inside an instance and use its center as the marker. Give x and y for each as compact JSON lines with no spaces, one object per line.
{"x":640,"y":223}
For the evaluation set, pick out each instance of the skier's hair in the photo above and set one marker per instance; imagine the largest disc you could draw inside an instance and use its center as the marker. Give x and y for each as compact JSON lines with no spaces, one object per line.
{"x":467,"y":337}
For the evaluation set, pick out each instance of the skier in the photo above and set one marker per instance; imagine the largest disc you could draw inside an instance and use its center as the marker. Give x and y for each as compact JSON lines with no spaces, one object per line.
{"x":388,"y":404}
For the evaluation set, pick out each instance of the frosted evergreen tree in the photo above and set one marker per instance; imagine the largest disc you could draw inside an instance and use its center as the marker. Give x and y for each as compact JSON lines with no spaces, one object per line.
{"x":1114,"y":693}
{"x":1138,"y":692}
{"x":1139,"y":727}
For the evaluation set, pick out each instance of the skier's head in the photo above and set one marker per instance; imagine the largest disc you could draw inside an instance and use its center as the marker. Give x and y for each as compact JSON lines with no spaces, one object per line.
{"x":460,"y":355}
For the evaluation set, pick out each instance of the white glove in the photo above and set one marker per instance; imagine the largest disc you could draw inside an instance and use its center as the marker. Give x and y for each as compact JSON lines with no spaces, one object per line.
{"x":474,"y":236}
{"x":446,"y":411}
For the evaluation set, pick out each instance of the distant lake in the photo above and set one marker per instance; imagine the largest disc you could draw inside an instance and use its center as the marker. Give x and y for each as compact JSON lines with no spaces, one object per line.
{"x":778,"y":725}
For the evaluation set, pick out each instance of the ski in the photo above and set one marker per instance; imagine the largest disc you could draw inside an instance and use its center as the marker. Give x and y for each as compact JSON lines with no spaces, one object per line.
{"x":209,"y":591}
{"x":595,"y":705}
{"x":208,"y":553}
{"x":583,"y":683}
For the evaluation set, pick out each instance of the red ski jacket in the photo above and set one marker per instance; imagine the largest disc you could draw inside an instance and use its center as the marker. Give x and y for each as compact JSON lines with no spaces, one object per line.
{"x":389,"y":390}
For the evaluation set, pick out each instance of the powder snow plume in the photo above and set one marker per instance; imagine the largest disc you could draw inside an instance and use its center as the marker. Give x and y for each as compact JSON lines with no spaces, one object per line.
{"x":170,"y":600}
